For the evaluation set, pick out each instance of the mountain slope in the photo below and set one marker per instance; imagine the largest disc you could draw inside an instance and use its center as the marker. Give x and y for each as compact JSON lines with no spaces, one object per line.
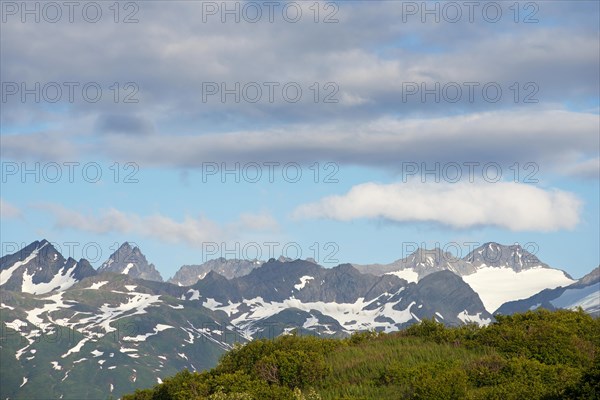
{"x":104,"y":335}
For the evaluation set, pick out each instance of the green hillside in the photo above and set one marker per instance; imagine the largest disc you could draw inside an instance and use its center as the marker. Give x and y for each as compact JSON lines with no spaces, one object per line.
{"x":536,"y":355}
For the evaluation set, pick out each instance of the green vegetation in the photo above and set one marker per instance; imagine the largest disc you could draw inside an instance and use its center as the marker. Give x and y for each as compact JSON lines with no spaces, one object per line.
{"x":536,"y":355}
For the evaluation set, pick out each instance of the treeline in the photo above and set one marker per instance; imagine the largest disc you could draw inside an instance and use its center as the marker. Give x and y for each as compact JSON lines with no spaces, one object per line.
{"x":536,"y":355}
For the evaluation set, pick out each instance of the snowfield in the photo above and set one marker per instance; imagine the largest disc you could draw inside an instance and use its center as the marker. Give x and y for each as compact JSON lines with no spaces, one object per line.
{"x":59,"y":282}
{"x":303,"y":282}
{"x":497,"y":286}
{"x":407,"y":274}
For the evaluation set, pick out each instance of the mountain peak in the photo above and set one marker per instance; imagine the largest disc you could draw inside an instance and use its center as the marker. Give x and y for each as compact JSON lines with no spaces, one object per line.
{"x":130,"y":261}
{"x":430,"y":256}
{"x":188,"y":275}
{"x":492,"y":254}
{"x":39,"y":268}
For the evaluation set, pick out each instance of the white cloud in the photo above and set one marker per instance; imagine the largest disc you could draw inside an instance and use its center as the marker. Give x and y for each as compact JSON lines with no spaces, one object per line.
{"x":190,"y":230}
{"x":514,"y":206}
{"x":8,"y":210}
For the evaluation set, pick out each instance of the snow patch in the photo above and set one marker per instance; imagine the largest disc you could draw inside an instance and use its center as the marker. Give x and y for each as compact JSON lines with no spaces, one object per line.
{"x":76,"y":348}
{"x":59,"y":282}
{"x":466,"y":318}
{"x":126,"y":270}
{"x":303,"y":281}
{"x":352,"y":316}
{"x":211,"y":304}
{"x":97,"y":285}
{"x":195,"y":294}
{"x":407,"y":274}
{"x":497,"y":286}
{"x":126,"y":350}
{"x":142,"y":338}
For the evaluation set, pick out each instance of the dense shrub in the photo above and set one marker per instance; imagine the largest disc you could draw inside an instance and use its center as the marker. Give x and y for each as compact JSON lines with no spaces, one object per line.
{"x":536,"y":355}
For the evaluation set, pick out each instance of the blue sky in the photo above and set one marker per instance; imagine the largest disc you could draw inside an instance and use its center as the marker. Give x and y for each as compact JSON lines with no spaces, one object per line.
{"x":362,"y":123}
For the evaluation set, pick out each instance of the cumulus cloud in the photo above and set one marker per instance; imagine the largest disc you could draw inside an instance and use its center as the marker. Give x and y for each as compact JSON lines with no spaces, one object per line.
{"x":509,"y":205}
{"x":7,"y":210}
{"x":190,"y":230}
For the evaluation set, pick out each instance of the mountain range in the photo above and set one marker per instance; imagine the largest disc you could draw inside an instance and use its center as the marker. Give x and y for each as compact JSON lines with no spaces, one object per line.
{"x":70,"y":331}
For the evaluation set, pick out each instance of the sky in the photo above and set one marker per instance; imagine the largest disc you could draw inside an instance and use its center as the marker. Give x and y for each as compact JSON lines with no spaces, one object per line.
{"x":348,"y":131}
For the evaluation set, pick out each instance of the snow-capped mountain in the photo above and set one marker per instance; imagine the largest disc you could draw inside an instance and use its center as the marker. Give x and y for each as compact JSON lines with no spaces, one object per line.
{"x":187,"y":275}
{"x":39,"y":268}
{"x":497,"y":255}
{"x":130,"y":261}
{"x":509,"y":273}
{"x":584,"y":293}
{"x":354,"y":301}
{"x":88,"y":333}
{"x":498,"y":273}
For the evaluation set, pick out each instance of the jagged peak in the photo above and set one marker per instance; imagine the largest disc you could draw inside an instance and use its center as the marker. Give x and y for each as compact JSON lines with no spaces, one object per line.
{"x":492,"y":253}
